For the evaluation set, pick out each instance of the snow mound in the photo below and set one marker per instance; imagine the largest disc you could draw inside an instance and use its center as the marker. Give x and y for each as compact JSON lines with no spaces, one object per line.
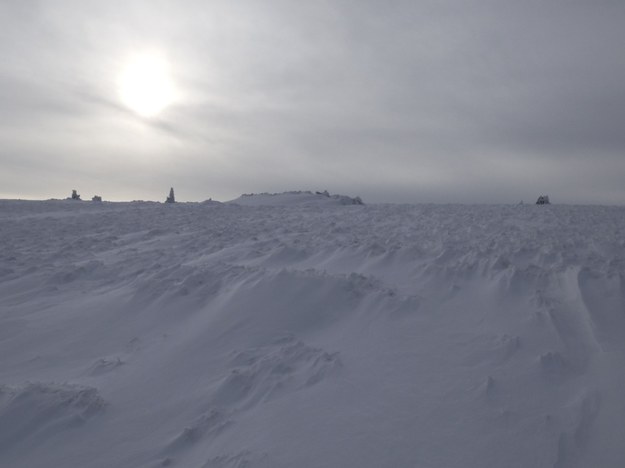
{"x":294,"y":198}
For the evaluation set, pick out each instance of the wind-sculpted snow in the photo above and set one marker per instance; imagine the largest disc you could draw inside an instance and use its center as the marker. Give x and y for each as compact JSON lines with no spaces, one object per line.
{"x":37,"y":412}
{"x":292,"y":330}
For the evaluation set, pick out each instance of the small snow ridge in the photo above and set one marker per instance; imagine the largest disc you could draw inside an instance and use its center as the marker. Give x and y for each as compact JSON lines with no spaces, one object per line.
{"x":242,"y":459}
{"x":176,"y":283}
{"x":40,"y":410}
{"x":261,"y":374}
{"x":603,"y":296}
{"x":572,"y":442}
{"x":494,"y":349}
{"x":207,"y":425}
{"x":554,"y":364}
{"x":91,"y":270}
{"x":105,"y":365}
{"x":488,"y":387}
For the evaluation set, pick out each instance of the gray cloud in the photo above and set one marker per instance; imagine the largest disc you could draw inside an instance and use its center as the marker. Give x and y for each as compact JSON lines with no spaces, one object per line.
{"x":464,"y":101}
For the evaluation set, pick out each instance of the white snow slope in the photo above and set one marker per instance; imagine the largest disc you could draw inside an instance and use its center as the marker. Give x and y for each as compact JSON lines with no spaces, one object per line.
{"x":313,"y":335}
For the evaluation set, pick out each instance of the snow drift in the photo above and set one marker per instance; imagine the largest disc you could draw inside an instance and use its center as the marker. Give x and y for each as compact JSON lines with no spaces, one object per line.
{"x":311,"y":333}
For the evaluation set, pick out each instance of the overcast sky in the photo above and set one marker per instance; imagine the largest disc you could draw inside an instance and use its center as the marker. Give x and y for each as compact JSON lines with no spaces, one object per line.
{"x":396,"y":101}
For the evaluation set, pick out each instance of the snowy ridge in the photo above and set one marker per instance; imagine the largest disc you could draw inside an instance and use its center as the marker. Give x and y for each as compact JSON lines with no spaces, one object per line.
{"x":294,"y":198}
{"x":308,"y":334}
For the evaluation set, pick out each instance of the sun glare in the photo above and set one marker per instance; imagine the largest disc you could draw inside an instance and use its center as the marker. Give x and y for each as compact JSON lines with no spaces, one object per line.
{"x":145,"y":84}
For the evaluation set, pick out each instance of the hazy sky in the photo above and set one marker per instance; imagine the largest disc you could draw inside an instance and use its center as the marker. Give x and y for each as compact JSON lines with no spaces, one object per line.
{"x":410,"y":101}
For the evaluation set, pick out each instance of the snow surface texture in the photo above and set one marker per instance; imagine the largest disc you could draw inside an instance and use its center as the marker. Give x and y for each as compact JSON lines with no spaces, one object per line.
{"x":311,"y":335}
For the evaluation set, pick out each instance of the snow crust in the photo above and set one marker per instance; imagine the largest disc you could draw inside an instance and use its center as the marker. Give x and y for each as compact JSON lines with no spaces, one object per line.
{"x":311,"y":334}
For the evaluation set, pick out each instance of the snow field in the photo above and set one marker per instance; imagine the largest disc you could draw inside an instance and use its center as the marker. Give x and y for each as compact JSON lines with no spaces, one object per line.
{"x":294,"y":330}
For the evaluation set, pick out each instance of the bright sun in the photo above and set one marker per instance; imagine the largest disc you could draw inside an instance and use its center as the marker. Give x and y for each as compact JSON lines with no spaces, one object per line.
{"x":145,"y":84}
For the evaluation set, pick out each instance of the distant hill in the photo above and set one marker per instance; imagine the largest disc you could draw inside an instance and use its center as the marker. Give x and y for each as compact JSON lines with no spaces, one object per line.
{"x":294,"y":198}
